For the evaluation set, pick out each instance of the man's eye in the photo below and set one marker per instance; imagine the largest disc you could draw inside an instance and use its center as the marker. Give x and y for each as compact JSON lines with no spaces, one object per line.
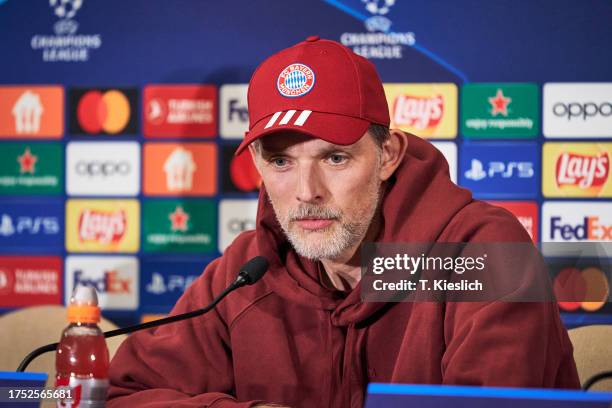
{"x":337,"y":158}
{"x":279,"y":162}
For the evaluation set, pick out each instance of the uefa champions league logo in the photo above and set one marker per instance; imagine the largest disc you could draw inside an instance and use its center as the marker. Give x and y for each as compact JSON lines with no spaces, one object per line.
{"x":65,"y":10}
{"x":378,"y":8}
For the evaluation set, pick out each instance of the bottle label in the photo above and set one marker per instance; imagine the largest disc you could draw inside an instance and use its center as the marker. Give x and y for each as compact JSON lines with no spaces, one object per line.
{"x":84,"y":392}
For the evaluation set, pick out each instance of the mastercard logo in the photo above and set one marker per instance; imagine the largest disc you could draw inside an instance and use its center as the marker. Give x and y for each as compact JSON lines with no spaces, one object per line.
{"x":243,"y":172}
{"x":587,"y":289}
{"x":107,"y":111}
{"x":240,"y":174}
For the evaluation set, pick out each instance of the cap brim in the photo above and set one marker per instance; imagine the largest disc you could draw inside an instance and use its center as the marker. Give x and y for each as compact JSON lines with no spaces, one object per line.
{"x":333,"y":128}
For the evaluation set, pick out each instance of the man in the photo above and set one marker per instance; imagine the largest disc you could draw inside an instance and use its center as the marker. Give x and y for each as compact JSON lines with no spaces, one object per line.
{"x":334,"y":177}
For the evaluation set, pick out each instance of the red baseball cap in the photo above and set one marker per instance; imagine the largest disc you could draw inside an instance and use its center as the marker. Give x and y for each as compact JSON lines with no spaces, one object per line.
{"x":319,"y":88}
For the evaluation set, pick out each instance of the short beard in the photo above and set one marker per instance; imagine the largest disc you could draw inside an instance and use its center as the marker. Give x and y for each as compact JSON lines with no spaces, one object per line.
{"x":330,"y":242}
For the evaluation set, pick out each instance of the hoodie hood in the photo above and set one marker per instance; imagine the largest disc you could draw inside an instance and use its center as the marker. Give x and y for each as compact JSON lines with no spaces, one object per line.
{"x":418,"y":204}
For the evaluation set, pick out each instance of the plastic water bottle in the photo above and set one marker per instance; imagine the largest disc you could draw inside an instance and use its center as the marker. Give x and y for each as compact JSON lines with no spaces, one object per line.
{"x":81,"y":360}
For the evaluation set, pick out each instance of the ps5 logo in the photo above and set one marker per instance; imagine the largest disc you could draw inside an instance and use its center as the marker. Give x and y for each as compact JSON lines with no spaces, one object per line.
{"x":28,"y":225}
{"x":159,"y":285}
{"x":501,"y":169}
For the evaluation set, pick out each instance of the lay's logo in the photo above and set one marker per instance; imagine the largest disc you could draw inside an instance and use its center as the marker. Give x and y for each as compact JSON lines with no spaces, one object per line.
{"x":427,"y":110}
{"x":102,"y":226}
{"x":423,"y":113}
{"x":576,"y":170}
{"x":583,"y":170}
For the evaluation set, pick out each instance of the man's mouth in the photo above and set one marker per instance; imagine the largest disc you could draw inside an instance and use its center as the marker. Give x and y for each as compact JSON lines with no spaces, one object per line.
{"x":314,"y":223}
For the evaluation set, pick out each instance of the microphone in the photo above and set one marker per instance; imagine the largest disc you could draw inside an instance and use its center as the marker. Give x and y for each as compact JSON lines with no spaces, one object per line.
{"x":248,"y":274}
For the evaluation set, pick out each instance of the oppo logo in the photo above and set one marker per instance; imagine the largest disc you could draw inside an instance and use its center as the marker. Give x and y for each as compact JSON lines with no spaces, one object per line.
{"x":103,"y":168}
{"x":582,"y":110}
{"x":237,"y":225}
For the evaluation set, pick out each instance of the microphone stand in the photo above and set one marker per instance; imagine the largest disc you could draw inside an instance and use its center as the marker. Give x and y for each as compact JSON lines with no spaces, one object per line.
{"x":240,"y":281}
{"x":596,"y":378}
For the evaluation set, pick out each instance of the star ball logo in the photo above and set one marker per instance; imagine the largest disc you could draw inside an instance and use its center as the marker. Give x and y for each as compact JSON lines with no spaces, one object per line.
{"x":103,"y":111}
{"x":505,"y":110}
{"x":186,"y":225}
{"x":31,"y":168}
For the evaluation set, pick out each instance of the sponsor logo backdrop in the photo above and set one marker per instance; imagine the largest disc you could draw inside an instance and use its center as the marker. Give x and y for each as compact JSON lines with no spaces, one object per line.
{"x":117,"y":163}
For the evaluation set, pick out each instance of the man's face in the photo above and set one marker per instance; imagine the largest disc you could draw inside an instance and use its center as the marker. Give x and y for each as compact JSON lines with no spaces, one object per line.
{"x":324,"y":195}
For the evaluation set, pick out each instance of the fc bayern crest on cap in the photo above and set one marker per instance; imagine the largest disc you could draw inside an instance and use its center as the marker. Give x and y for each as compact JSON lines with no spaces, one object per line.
{"x":295,"y":80}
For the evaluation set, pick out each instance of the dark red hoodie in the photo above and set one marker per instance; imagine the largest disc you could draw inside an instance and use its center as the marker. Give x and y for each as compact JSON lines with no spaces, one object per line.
{"x":290,"y":340}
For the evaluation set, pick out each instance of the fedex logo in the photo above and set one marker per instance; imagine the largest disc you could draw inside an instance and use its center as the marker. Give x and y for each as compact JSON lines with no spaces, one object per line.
{"x":591,"y":229}
{"x":115,"y":278}
{"x":237,"y":111}
{"x":110,"y":282}
{"x":576,"y":221}
{"x":234,"y":114}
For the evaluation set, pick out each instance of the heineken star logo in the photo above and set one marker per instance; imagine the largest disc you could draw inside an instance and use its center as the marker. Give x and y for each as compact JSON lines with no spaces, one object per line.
{"x":27,"y":161}
{"x":499,"y":103}
{"x":179,"y":219}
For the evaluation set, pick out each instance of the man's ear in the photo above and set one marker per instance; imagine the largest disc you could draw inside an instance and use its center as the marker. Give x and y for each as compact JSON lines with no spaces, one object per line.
{"x":393,"y":151}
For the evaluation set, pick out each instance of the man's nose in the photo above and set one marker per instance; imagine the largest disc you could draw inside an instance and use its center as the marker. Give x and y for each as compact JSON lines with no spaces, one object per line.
{"x":310,"y":186}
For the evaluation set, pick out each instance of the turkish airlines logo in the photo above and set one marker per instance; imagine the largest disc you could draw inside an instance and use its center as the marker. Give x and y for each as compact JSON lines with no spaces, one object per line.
{"x":31,"y":280}
{"x":102,"y":226}
{"x":103,"y":111}
{"x":418,"y":112}
{"x":583,"y":171}
{"x":180,"y":110}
